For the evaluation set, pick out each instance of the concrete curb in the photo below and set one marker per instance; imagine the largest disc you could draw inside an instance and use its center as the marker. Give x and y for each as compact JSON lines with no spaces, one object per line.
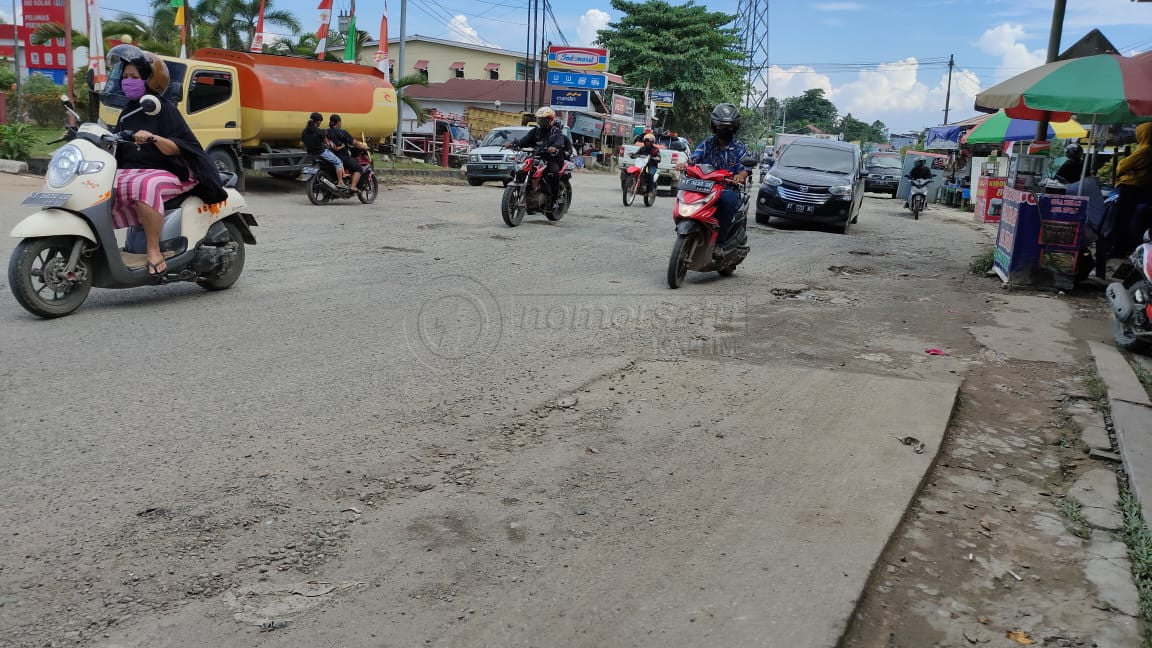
{"x":1131,"y":419}
{"x":13,"y":166}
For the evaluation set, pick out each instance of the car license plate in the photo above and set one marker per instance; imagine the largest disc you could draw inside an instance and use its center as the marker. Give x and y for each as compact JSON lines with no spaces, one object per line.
{"x":491,"y":167}
{"x":696,"y":185}
{"x":800,"y":209}
{"x":46,"y":199}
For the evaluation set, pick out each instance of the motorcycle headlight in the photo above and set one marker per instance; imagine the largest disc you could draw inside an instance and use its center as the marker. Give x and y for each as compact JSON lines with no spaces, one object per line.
{"x":772,"y":181}
{"x":842,"y":190}
{"x":64,"y":166}
{"x":689,"y":210}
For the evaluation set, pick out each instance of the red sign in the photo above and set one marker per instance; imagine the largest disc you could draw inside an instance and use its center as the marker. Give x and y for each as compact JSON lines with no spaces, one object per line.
{"x":990,"y":200}
{"x":52,"y":55}
{"x":563,"y":57}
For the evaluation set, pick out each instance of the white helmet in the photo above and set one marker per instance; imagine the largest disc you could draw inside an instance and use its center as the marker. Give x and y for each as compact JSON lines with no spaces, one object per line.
{"x":545,"y":112}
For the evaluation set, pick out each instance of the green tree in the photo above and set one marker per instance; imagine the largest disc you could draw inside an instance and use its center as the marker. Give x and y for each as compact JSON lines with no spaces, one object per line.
{"x":683,"y":48}
{"x":879,"y":131}
{"x":811,"y":109}
{"x":244,"y":20}
{"x":854,"y":130}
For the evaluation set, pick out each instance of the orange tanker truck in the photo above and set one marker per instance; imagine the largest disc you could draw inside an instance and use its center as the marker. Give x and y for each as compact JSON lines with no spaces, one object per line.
{"x":248,"y":109}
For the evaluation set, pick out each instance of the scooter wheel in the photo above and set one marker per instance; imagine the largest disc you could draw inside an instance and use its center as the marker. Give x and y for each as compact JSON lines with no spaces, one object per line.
{"x":316,"y":191}
{"x":727,"y":272}
{"x":370,"y":188}
{"x":682,"y":252}
{"x":33,"y":273}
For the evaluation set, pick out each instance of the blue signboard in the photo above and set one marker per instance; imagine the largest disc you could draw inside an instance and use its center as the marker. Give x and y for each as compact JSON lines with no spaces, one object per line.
{"x":577,"y":80}
{"x":58,"y":76}
{"x":570,"y":99}
{"x":1039,"y":238}
{"x":662,"y":98}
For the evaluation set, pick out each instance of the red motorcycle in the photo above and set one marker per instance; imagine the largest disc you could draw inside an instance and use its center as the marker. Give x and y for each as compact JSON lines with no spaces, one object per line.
{"x":637,"y":180}
{"x":528,"y":191}
{"x":697,"y":227}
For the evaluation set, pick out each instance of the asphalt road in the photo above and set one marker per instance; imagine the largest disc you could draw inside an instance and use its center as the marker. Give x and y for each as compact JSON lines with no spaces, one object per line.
{"x":470,"y":434}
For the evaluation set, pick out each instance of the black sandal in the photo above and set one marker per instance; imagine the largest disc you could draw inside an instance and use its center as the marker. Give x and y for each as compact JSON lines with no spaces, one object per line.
{"x":154,"y":268}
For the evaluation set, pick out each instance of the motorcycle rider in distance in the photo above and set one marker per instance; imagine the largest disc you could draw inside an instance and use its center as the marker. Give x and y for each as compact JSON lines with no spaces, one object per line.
{"x":723,"y":151}
{"x":649,"y":148}
{"x":313,"y":140}
{"x":919,"y":171}
{"x":343,"y":143}
{"x":551,"y":145}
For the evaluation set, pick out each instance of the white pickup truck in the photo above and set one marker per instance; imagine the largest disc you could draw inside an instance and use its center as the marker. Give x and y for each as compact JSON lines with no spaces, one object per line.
{"x":672,"y":151}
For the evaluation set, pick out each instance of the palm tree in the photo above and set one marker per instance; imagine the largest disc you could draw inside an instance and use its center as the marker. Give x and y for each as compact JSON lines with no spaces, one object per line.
{"x":245,"y":13}
{"x":304,"y":45}
{"x":414,"y":105}
{"x":124,"y":24}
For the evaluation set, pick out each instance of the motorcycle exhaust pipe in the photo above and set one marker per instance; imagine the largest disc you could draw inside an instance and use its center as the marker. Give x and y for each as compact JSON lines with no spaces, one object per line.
{"x":1120,"y":301}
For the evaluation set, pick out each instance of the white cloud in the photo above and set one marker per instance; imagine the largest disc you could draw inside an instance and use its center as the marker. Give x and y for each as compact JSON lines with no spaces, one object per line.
{"x":793,"y":81}
{"x":460,"y":30}
{"x":1004,"y":41}
{"x":591,"y":22}
{"x":838,"y":6}
{"x":888,"y":87}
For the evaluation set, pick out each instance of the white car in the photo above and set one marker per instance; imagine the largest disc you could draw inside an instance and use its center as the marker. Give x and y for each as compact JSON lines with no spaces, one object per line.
{"x":489,"y":161}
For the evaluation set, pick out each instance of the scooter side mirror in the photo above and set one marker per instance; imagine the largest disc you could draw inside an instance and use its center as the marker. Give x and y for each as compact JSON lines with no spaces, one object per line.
{"x":1148,"y":236}
{"x":150,"y":104}
{"x":750,"y":162}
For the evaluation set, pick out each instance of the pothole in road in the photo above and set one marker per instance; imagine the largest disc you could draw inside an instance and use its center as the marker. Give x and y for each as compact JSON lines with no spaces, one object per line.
{"x":867,"y":253}
{"x":809,"y":294}
{"x":501,"y":237}
{"x":388,"y":248}
{"x":851,"y":270}
{"x":428,"y":226}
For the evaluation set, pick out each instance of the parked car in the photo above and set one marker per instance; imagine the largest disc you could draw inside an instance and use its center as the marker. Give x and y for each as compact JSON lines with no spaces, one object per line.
{"x":883,"y":172}
{"x":489,"y":161}
{"x":816,"y":181}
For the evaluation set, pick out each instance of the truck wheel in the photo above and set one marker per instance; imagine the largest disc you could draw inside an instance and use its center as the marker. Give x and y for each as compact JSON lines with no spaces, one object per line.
{"x":225,"y":163}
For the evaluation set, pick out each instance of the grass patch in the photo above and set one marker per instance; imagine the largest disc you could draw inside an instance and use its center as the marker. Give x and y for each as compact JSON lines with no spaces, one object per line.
{"x":1097,"y":389}
{"x":1074,"y":514}
{"x":1139,"y":543}
{"x":982,"y":263}
{"x":41,"y":136}
{"x":1142,"y":374}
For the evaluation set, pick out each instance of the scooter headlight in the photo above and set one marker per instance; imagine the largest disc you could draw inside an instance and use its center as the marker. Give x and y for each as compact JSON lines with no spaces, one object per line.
{"x":64,"y":166}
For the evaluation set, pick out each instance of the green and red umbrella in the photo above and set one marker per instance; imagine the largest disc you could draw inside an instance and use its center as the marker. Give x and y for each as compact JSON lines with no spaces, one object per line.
{"x":1106,"y":87}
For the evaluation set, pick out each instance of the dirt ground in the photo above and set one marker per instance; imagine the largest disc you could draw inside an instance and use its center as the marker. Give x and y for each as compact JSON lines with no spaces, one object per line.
{"x":321,"y":480}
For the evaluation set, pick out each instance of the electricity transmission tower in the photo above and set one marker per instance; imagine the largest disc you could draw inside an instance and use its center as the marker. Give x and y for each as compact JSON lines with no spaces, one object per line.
{"x":752,"y":26}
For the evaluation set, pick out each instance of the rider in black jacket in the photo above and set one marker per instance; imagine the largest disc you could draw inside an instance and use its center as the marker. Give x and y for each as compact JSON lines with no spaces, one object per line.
{"x":551,"y":146}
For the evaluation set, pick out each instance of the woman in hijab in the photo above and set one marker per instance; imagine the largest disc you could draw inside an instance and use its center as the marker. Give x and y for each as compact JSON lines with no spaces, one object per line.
{"x":1134,"y":181}
{"x":166,"y":159}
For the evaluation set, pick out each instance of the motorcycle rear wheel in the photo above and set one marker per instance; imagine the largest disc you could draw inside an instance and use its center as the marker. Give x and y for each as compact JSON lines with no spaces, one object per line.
{"x":370,"y":189}
{"x":565,"y":202}
{"x":511,"y":208}
{"x":28,"y":282}
{"x":682,"y":252}
{"x":317,"y":193}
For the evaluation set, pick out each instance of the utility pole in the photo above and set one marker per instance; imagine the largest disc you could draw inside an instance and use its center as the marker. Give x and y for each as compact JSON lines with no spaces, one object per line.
{"x":542,"y":60}
{"x":948,"y":94}
{"x":1053,"y":51}
{"x":16,"y":55}
{"x":400,"y":73}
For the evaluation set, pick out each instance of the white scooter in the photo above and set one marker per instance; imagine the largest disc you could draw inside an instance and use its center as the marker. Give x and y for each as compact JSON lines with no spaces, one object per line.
{"x":918,"y":196}
{"x":70,"y":244}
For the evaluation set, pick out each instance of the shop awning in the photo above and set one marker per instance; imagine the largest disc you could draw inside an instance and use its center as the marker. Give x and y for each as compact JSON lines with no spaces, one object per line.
{"x":456,"y":65}
{"x":421,"y":65}
{"x":491,"y":66}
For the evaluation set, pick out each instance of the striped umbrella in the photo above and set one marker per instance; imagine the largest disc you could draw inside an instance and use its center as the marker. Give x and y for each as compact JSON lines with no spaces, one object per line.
{"x":1109,"y":88}
{"x":1002,"y":128}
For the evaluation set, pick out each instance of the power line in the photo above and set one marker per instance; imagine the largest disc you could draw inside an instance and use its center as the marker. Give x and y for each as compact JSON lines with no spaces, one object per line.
{"x":559,"y":32}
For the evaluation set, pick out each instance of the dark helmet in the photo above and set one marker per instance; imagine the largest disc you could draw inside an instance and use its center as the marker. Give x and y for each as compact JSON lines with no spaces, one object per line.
{"x":1073,"y":150}
{"x":726,"y":117}
{"x":130,"y":54}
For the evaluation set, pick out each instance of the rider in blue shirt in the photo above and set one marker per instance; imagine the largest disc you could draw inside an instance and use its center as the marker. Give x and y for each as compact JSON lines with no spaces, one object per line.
{"x":723,"y":151}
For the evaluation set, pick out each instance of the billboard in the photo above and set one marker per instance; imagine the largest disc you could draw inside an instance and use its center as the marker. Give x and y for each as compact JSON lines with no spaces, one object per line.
{"x":562,"y":57}
{"x":588,"y":126}
{"x":51,"y":58}
{"x":623,"y":106}
{"x":662,"y":98}
{"x":565,"y":99}
{"x":564,"y":79}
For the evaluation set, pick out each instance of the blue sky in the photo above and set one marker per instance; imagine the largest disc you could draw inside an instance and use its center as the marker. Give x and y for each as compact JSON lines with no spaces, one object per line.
{"x":878,"y":59}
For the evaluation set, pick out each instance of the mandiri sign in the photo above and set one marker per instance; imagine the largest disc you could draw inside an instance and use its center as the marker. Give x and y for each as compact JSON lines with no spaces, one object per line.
{"x":570,"y":99}
{"x":592,"y":59}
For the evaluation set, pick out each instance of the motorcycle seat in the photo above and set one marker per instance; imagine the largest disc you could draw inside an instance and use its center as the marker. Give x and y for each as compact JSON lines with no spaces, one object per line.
{"x":175,"y":202}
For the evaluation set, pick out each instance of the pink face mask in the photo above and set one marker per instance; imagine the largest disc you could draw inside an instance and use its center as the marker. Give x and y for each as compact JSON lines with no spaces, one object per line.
{"x":134,"y":88}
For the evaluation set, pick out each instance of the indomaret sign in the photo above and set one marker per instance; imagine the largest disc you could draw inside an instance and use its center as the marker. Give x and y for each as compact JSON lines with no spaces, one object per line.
{"x":584,"y":59}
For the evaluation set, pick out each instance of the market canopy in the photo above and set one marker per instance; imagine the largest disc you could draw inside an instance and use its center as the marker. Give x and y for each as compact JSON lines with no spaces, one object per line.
{"x":1106,"y":87}
{"x":1002,"y":128}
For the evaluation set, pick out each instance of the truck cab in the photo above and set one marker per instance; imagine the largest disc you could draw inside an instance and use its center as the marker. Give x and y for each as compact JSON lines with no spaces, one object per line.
{"x":205,"y":93}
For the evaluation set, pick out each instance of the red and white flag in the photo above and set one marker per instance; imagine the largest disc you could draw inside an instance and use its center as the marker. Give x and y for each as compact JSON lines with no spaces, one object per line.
{"x":381,"y":56}
{"x":322,"y":33}
{"x":258,"y":35}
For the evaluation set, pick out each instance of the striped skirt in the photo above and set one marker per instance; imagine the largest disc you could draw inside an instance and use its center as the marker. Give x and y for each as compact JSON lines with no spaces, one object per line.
{"x":150,"y":186}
